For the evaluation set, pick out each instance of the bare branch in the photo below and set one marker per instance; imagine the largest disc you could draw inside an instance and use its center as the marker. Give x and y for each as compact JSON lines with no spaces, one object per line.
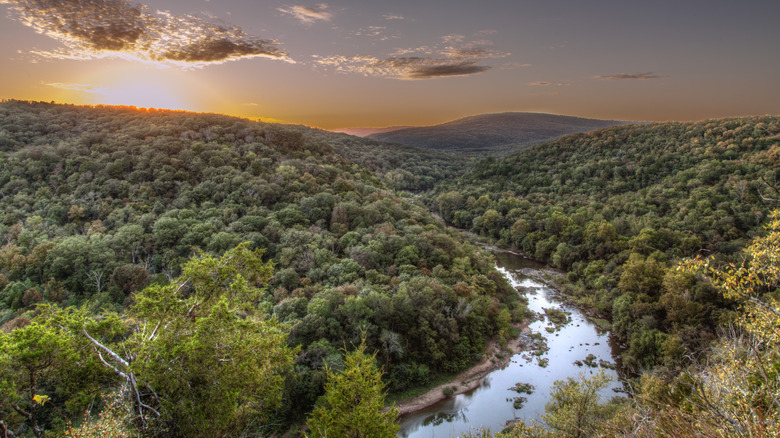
{"x":764,"y":306}
{"x":145,"y":406}
{"x":116,"y":357}
{"x":116,"y":370}
{"x":771,"y":186}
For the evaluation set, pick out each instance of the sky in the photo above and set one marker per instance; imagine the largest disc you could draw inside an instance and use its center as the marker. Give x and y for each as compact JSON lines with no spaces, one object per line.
{"x":349,"y":63}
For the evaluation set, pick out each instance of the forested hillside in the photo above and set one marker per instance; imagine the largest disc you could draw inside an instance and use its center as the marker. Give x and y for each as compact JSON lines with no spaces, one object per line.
{"x":619,"y":207}
{"x":99,"y":204}
{"x":492,"y":134}
{"x":205,"y":275}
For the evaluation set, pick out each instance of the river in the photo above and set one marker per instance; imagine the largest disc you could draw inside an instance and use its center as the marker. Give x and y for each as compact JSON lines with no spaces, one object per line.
{"x":491,"y":405}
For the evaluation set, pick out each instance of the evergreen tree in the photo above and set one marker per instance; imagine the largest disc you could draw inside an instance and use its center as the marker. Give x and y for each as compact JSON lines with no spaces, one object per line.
{"x":353,"y":402}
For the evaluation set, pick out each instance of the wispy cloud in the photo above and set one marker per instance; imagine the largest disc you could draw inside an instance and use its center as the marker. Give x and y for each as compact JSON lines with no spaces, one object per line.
{"x":393,"y":17}
{"x":91,"y":29}
{"x":513,"y":65}
{"x":471,"y":52}
{"x":639,"y":76}
{"x":549,"y":84}
{"x":428,"y":62}
{"x":307,"y":14}
{"x":452,"y":38}
{"x":86,"y":88}
{"x":380,"y":33}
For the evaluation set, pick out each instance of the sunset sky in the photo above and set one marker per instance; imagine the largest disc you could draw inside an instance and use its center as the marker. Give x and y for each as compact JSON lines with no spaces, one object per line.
{"x":349,"y":63}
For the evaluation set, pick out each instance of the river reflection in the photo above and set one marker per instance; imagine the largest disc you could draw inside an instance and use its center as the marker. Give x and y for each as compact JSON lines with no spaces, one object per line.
{"x":491,"y":404}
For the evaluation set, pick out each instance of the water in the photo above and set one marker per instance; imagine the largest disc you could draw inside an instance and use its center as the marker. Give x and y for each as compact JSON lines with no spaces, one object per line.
{"x":491,"y":404}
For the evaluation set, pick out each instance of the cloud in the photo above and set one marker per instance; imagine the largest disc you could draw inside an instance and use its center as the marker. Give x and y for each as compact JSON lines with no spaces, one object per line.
{"x":86,"y":88}
{"x":423,"y":62}
{"x":91,"y":29}
{"x":472,"y":52}
{"x":639,"y":76}
{"x":453,"y":38}
{"x":451,"y":57}
{"x":422,"y":49}
{"x":404,"y":67}
{"x":513,"y":65}
{"x":443,"y":70}
{"x":393,"y":17}
{"x":308,"y":15}
{"x":549,"y":84}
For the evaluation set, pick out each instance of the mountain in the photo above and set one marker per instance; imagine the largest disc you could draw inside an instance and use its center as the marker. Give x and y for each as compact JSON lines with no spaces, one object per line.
{"x":493,"y":134}
{"x":365,"y":132}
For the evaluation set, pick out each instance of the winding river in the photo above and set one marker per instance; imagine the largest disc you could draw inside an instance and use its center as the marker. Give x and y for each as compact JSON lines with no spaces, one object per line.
{"x":491,"y":404}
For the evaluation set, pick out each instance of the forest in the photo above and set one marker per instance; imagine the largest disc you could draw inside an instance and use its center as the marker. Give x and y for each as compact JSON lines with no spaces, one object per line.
{"x":616,"y":209}
{"x":180,"y":274}
{"x":99,"y":204}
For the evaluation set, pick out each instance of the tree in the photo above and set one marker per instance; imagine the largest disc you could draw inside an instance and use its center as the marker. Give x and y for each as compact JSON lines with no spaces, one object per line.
{"x":738,"y":391}
{"x":201,"y":358}
{"x":353,"y":404}
{"x":42,"y":360}
{"x":574,"y":409}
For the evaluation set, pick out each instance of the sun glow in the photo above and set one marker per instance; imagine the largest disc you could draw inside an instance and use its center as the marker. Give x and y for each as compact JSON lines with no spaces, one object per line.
{"x":142,"y":87}
{"x":143,"y":95}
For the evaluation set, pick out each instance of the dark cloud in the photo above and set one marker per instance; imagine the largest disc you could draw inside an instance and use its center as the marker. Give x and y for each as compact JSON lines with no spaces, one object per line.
{"x":439,"y":71}
{"x":431,"y":62}
{"x":640,"y":76}
{"x":106,"y":28}
{"x":428,"y":68}
{"x":405,"y":67}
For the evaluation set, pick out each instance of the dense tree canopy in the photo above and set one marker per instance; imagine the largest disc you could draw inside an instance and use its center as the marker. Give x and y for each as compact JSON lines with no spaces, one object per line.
{"x":616,"y":208}
{"x":100,"y":204}
{"x":240,"y":236}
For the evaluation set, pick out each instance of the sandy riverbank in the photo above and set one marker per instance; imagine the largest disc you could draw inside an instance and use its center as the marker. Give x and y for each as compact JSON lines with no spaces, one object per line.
{"x":493,"y":359}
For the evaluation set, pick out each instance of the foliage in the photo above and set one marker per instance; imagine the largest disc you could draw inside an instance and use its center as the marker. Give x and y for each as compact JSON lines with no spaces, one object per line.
{"x":353,"y":405}
{"x":733,"y":392}
{"x":574,"y":409}
{"x":200,"y":357}
{"x":41,"y":368}
{"x":617,"y":207}
{"x":737,"y":392}
{"x":112,"y":422}
{"x":98,"y":204}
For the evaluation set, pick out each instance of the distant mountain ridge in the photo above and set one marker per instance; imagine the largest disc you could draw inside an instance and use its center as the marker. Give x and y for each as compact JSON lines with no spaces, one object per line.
{"x":365,"y":132}
{"x":493,"y":134}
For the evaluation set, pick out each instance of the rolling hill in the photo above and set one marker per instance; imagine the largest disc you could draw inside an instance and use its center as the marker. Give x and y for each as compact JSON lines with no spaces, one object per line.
{"x":617,"y":208}
{"x":97,"y":204}
{"x":493,"y":134}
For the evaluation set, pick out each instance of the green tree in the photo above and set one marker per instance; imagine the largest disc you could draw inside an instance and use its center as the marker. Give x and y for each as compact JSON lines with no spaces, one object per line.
{"x":574,"y":409}
{"x":738,"y":391}
{"x":353,"y":404}
{"x":42,"y":360}
{"x":201,"y":358}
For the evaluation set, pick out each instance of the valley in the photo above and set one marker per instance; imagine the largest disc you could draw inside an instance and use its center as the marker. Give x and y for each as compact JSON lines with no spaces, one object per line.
{"x":315,"y":247}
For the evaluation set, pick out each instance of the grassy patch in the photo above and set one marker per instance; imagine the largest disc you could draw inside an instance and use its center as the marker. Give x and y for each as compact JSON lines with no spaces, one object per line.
{"x":411,"y":393}
{"x":601,"y":323}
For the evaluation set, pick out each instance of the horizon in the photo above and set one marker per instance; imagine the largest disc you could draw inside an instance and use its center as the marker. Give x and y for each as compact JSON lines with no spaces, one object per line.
{"x":358,"y":128}
{"x":347,"y":65}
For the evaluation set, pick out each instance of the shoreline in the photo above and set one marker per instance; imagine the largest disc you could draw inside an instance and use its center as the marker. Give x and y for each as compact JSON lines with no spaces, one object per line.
{"x":472,"y":377}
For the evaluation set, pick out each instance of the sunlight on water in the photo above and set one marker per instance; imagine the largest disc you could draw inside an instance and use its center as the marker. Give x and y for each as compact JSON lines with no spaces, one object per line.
{"x":491,"y":404}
